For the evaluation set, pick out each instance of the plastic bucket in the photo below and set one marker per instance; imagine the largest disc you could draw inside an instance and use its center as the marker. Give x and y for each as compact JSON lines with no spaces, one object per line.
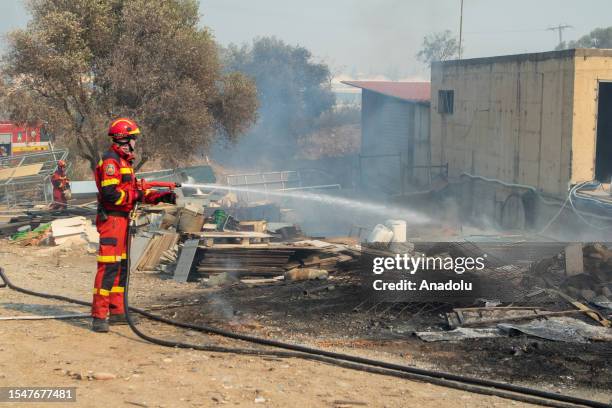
{"x":398,"y":227}
{"x":380,"y":233}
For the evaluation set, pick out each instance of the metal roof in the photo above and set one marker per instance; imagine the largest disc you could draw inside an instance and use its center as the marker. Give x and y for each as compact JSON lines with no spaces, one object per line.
{"x":408,"y":91}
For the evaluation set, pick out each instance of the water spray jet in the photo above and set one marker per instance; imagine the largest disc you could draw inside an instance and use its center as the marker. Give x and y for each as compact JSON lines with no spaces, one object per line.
{"x":383,"y":210}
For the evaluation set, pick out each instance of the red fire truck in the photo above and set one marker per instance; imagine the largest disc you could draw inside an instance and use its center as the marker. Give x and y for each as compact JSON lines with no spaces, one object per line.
{"x":17,"y":139}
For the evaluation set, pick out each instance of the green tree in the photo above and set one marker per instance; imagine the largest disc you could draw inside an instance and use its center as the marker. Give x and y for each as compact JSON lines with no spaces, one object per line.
{"x":598,"y":38}
{"x":293,"y":90}
{"x":440,"y":46}
{"x":81,"y":63}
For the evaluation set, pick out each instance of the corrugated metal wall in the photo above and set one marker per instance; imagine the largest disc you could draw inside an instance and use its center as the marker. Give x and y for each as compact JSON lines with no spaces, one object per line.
{"x":390,"y":129}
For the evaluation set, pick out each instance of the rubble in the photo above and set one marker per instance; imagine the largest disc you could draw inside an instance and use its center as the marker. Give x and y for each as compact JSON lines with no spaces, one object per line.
{"x":460,"y":333}
{"x":222,"y":279}
{"x":565,"y":329}
{"x":66,"y":231}
{"x":557,"y":328}
{"x":32,"y":237}
{"x":595,"y":280}
{"x":480,"y":316}
{"x":300,"y":274}
{"x":192,"y":247}
{"x":74,"y":230}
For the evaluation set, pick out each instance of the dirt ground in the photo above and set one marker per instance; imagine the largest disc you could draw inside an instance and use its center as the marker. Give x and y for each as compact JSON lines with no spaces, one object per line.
{"x":65,"y":353}
{"x":342,"y":318}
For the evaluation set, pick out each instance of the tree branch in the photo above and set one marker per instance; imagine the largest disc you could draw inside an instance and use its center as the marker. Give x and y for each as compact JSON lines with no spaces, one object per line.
{"x":141,"y":163}
{"x":92,"y":161}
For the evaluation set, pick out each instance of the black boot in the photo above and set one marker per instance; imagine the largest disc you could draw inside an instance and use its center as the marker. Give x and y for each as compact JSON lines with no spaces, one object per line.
{"x":99,"y":325}
{"x":121,"y":319}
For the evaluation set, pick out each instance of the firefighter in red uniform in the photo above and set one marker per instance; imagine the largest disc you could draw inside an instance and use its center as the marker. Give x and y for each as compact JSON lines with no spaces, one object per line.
{"x":118,"y":191}
{"x":61,"y":184}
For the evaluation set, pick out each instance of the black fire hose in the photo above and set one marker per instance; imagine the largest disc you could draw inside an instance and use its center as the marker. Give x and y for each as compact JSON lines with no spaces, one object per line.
{"x":468,"y":384}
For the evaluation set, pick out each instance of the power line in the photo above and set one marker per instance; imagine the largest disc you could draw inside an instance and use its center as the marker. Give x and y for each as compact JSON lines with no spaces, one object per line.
{"x":460,"y":29}
{"x":560,"y":29}
{"x":538,"y":30}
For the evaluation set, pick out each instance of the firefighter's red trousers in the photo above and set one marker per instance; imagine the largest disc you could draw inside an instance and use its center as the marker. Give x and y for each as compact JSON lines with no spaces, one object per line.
{"x":112,"y":267}
{"x":59,"y":200}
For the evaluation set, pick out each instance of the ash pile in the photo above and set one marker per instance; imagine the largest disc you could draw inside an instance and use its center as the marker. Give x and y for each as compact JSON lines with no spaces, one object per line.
{"x":564,"y":296}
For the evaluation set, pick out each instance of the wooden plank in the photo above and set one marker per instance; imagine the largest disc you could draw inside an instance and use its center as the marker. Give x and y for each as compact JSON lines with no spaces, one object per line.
{"x":255,"y":226}
{"x":321,"y":245}
{"x":232,"y":234}
{"x":247,"y":253}
{"x":146,"y":255}
{"x":28,"y":170}
{"x":137,"y":249}
{"x":65,"y":231}
{"x":21,"y":171}
{"x":595,"y":315}
{"x":68,"y":226}
{"x":220,"y":269}
{"x":247,"y":273}
{"x":213,"y":246}
{"x":574,"y":259}
{"x":166,"y":242}
{"x":185,"y":262}
{"x":155,"y":249}
{"x":68,"y":222}
{"x":262,"y":246}
{"x":260,"y":281}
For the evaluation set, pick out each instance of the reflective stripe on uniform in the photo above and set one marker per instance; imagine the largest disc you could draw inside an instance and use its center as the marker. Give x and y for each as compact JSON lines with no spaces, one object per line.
{"x":121,"y":198}
{"x":109,"y":182}
{"x":123,"y":256}
{"x":109,"y":258}
{"x":117,"y":289}
{"x":126,"y":170}
{"x":101,"y":292}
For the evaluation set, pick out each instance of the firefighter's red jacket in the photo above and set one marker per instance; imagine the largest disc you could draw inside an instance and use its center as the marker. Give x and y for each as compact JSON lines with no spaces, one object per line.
{"x":59,"y":180}
{"x":117,"y":186}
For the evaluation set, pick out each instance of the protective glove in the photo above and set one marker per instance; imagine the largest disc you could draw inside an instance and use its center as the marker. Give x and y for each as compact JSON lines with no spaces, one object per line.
{"x":165,"y":197}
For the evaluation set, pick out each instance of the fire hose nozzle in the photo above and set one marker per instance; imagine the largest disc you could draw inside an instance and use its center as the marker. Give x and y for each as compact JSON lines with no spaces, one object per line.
{"x":145,"y":185}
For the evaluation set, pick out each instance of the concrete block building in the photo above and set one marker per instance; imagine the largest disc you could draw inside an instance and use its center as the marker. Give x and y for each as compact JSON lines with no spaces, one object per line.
{"x":543,"y":120}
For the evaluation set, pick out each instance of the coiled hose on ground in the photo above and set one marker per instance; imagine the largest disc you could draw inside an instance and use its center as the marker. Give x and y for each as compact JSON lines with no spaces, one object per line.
{"x":469,"y":384}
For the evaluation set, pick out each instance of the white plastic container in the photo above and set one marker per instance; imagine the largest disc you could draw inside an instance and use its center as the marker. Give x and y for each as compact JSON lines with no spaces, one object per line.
{"x":398,"y":227}
{"x":380,"y":233}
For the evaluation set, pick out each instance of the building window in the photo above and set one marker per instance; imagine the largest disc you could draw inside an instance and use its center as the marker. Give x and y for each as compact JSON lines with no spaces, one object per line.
{"x":446,"y":101}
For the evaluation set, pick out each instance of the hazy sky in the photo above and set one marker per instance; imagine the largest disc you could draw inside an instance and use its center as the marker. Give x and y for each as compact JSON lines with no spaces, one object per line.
{"x":378,"y":37}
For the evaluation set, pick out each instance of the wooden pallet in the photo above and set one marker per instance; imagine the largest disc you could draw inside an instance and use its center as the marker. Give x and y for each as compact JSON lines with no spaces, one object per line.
{"x":247,"y":261}
{"x":242,"y":238}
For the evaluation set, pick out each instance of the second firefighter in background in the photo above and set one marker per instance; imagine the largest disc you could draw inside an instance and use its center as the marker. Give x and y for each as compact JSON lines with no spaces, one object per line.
{"x":61,"y":186}
{"x":118,"y":192}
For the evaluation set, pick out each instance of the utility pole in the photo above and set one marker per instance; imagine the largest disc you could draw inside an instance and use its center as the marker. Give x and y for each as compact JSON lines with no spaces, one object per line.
{"x":460,"y":29}
{"x":560,"y":29}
